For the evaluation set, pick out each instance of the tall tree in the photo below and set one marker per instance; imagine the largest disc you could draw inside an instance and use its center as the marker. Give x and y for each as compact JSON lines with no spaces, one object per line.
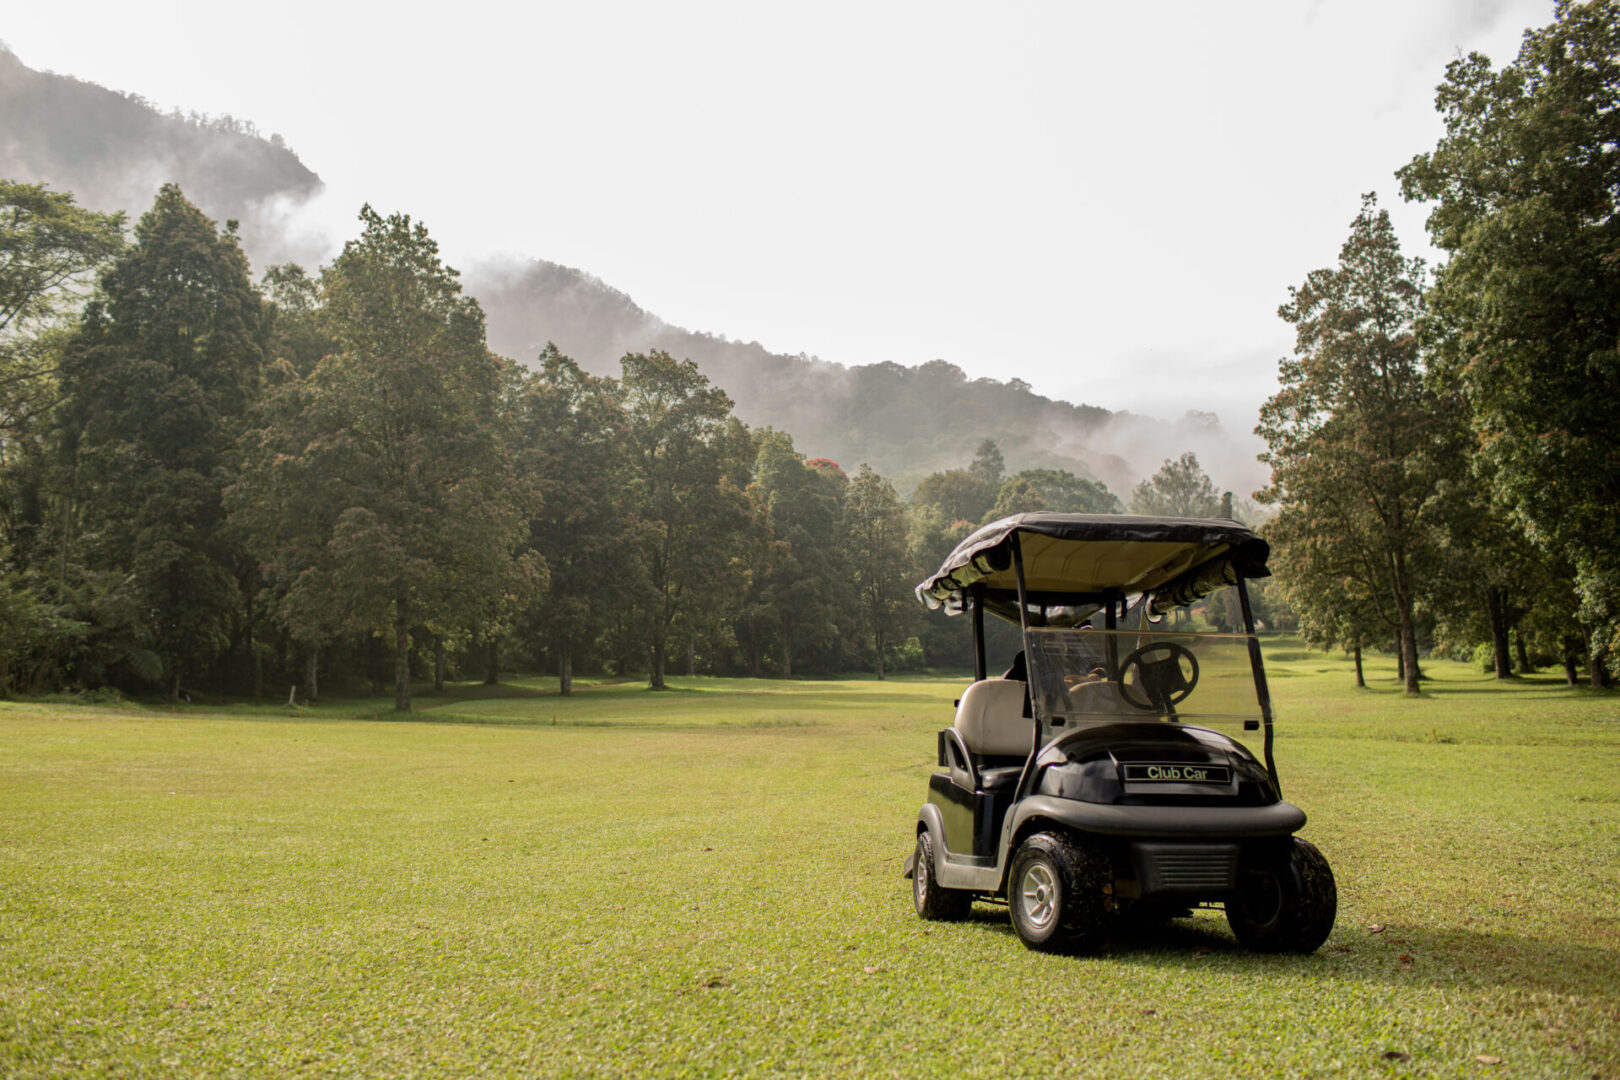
{"x":1180,"y":488}
{"x":876,"y":530}
{"x":988,"y":466}
{"x":1358,"y":444}
{"x":1526,"y":312}
{"x":802,"y":506}
{"x":381,"y":491}
{"x":571,"y":438}
{"x":955,"y":495}
{"x":49,"y":249}
{"x":155,"y":387}
{"x":682,"y":445}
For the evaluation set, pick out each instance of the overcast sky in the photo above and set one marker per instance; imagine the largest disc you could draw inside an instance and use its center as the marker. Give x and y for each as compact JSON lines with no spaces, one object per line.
{"x":1108,"y":201}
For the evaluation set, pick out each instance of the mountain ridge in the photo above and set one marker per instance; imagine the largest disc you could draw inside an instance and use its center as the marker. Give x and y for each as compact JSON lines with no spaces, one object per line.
{"x":113,"y":150}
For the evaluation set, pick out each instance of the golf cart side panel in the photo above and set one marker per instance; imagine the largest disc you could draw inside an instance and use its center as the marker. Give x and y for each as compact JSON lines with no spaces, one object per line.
{"x":972,"y":818}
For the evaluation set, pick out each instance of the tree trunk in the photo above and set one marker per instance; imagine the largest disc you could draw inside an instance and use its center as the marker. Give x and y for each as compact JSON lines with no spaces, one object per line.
{"x":174,"y":686}
{"x":1597,"y":672}
{"x":655,"y":678}
{"x":258,"y":665}
{"x":691,"y":658}
{"x":877,"y":642}
{"x":1409,"y":661}
{"x":67,"y":534}
{"x":1402,"y":595}
{"x":1400,"y":660}
{"x":374,"y":663}
{"x":438,"y":663}
{"x":402,"y":655}
{"x":565,"y":669}
{"x":1524,"y":656}
{"x":1361,"y":679}
{"x":312,"y":686}
{"x":492,"y":674}
{"x":754,"y":650}
{"x":787,"y":648}
{"x":1496,"y":611}
{"x":1570,"y":678}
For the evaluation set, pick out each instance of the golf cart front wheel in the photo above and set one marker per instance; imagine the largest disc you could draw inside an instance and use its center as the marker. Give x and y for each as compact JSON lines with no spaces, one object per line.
{"x":932,"y":899}
{"x":1287,"y":906}
{"x":1055,"y":893}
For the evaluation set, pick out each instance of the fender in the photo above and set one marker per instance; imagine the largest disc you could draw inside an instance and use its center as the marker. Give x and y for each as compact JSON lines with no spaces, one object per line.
{"x":960,"y":871}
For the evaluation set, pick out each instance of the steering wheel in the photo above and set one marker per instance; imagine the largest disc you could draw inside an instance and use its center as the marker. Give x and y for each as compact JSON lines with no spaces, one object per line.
{"x":1160,"y":676}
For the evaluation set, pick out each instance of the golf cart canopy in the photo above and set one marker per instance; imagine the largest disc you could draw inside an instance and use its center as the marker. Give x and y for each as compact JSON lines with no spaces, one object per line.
{"x":1079,"y":562}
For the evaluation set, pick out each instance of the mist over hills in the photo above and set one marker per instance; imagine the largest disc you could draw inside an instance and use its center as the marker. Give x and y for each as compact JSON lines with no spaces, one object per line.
{"x":114,"y":150}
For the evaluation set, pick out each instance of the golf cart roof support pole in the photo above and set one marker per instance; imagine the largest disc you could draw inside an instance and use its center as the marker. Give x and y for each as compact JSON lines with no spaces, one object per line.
{"x":1111,"y":646}
{"x":978,"y":634}
{"x":1262,"y":691}
{"x":1023,"y":594}
{"x":1023,"y":625}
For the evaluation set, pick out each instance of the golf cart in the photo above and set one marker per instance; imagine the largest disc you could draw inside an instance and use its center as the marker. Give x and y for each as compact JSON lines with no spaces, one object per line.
{"x":1094,"y":781}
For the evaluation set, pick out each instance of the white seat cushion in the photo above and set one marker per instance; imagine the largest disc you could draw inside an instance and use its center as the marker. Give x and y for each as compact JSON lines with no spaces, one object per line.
{"x":991,"y":718}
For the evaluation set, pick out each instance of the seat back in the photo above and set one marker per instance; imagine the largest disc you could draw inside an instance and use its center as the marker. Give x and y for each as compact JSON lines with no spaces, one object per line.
{"x":991,"y":720}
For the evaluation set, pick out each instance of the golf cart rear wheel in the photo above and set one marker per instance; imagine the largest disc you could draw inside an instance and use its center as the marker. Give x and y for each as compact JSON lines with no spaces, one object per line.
{"x":1287,"y":906}
{"x":1055,"y":892}
{"x":932,"y":899}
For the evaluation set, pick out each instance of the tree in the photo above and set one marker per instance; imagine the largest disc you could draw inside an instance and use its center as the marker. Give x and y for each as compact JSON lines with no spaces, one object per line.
{"x":1358,"y":444}
{"x":1018,"y":495}
{"x":955,"y":495}
{"x":1525,"y":315}
{"x":1067,"y":493}
{"x":1179,"y":489}
{"x":988,"y":466}
{"x":155,"y":385}
{"x":875,"y":529}
{"x":802,"y":588}
{"x":681,"y":445}
{"x":380,"y":492}
{"x":49,"y":248}
{"x":571,"y":439}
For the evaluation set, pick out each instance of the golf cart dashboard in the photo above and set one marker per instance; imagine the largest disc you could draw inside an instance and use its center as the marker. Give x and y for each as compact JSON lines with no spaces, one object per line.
{"x":1140,"y":762}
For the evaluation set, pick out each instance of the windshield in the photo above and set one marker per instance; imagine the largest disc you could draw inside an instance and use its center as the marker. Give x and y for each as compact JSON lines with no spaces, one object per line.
{"x":1081,"y":675}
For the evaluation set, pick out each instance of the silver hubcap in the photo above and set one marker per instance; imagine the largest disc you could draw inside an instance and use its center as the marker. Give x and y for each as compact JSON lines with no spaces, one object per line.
{"x":1039,"y":891}
{"x":919,"y":877}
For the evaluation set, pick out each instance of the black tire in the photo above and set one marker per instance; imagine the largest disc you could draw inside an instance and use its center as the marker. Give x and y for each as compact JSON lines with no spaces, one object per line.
{"x":1055,"y":891}
{"x":1287,"y":905}
{"x":933,"y":900}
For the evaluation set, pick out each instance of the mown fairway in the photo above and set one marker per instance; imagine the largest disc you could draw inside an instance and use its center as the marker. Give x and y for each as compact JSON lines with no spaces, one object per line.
{"x":707,"y":882}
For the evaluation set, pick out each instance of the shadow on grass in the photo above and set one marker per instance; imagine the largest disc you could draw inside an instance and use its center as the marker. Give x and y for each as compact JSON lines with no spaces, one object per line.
{"x":1441,"y":959}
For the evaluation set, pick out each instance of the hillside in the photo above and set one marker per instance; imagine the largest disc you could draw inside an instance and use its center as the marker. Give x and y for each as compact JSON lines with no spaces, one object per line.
{"x":906,"y":421}
{"x":114,"y":150}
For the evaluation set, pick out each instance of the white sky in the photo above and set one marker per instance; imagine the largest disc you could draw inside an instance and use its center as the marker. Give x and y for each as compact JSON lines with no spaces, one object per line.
{"x":1108,"y":201}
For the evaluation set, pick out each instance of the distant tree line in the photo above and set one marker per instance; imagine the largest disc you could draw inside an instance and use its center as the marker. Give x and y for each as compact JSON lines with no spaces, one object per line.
{"x":1444,"y":453}
{"x":212,"y":485}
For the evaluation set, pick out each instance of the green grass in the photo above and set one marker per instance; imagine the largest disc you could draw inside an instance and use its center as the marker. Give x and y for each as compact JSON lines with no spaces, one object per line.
{"x":707,"y":882}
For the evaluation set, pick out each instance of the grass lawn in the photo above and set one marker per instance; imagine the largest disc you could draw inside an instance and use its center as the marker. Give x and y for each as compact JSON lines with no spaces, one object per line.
{"x":707,"y":882}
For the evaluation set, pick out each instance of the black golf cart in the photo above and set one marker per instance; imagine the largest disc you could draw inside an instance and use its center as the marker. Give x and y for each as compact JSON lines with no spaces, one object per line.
{"x":1094,"y":781}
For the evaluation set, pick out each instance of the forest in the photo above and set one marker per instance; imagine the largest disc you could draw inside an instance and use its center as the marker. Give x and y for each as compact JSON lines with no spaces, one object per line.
{"x":217,"y":483}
